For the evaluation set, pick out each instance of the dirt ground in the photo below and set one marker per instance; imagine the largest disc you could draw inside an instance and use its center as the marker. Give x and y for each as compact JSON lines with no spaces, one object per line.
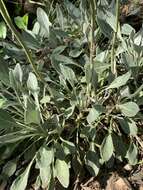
{"x":115,"y":181}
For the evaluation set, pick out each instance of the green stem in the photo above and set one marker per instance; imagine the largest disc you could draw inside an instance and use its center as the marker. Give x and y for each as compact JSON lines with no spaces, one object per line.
{"x":92,"y":43}
{"x":113,"y":57}
{"x":93,"y":16}
{"x":8,"y":21}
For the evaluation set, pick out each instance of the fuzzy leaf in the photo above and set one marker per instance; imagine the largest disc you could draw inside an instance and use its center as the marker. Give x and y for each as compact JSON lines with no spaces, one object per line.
{"x":129,"y":109}
{"x":32,"y":83}
{"x":107,"y":148}
{"x":132,"y":154}
{"x":44,"y":159}
{"x":21,"y":181}
{"x":120,"y":81}
{"x":17,"y":72}
{"x":43,"y":20}
{"x":9,"y":168}
{"x":92,"y":162}
{"x":128,"y":126}
{"x":6,"y":121}
{"x":94,"y":113}
{"x":62,"y":172}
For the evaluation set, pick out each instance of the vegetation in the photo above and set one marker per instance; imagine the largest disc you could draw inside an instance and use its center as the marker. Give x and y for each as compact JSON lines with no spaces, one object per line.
{"x":71,"y":94}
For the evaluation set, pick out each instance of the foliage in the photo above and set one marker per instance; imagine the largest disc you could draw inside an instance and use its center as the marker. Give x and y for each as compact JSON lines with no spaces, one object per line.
{"x":81,"y":115}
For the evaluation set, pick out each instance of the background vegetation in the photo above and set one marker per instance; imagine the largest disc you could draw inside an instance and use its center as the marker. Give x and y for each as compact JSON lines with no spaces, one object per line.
{"x":71,"y":93}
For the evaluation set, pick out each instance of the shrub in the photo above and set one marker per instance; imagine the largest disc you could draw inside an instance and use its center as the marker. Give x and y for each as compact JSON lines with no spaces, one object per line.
{"x":78,"y":105}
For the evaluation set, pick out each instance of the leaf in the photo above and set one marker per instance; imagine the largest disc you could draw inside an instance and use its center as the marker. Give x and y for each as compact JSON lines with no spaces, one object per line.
{"x":21,"y":22}
{"x":63,"y":59}
{"x":120,"y":81}
{"x":75,"y":52}
{"x":94,"y":113}
{"x":18,"y":74}
{"x":62,"y":172}
{"x":132,"y":154}
{"x":43,"y":20}
{"x":127,"y":29}
{"x":92,"y":162}
{"x":32,"y":116}
{"x":21,"y":181}
{"x":9,"y":168}
{"x":44,"y":159}
{"x":69,"y":147}
{"x":2,"y":102}
{"x":88,"y":132}
{"x":107,"y":20}
{"x":119,"y":146}
{"x":32,"y":83}
{"x":6,"y":121}
{"x":125,"y":92}
{"x":3,"y":30}
{"x":69,"y":111}
{"x":107,"y":148}
{"x":58,"y":50}
{"x":60,"y":16}
{"x":100,"y":67}
{"x":45,"y":99}
{"x":45,"y":156}
{"x":68,"y":74}
{"x":4,"y":72}
{"x":30,"y":40}
{"x":13,"y":137}
{"x":128,"y":126}
{"x":129,"y":109}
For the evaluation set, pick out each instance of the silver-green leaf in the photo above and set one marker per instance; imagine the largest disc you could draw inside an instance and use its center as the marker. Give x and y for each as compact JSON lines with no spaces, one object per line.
{"x":107,"y":148}
{"x":20,"y":182}
{"x":129,"y":109}
{"x":32,"y":83}
{"x":132,"y":154}
{"x":62,"y":172}
{"x":120,"y":81}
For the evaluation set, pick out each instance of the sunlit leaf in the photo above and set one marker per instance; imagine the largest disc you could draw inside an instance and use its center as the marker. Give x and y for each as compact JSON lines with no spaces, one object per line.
{"x":21,"y":181}
{"x":44,"y":159}
{"x":32,"y":83}
{"x":132,"y":154}
{"x":129,"y":109}
{"x":107,"y":148}
{"x":43,"y":20}
{"x":62,"y":172}
{"x":3,"y":30}
{"x":120,"y":81}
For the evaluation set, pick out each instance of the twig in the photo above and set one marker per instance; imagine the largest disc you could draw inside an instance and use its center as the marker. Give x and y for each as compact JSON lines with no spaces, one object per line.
{"x":139,"y":141}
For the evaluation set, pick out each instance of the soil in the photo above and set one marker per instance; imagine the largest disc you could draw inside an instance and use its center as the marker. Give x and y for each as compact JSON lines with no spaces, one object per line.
{"x":115,"y":182}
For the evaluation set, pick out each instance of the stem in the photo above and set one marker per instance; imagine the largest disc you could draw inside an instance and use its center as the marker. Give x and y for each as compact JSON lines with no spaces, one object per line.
{"x":113,"y":57}
{"x":93,"y":16}
{"x":8,"y":21}
{"x":92,"y":45}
